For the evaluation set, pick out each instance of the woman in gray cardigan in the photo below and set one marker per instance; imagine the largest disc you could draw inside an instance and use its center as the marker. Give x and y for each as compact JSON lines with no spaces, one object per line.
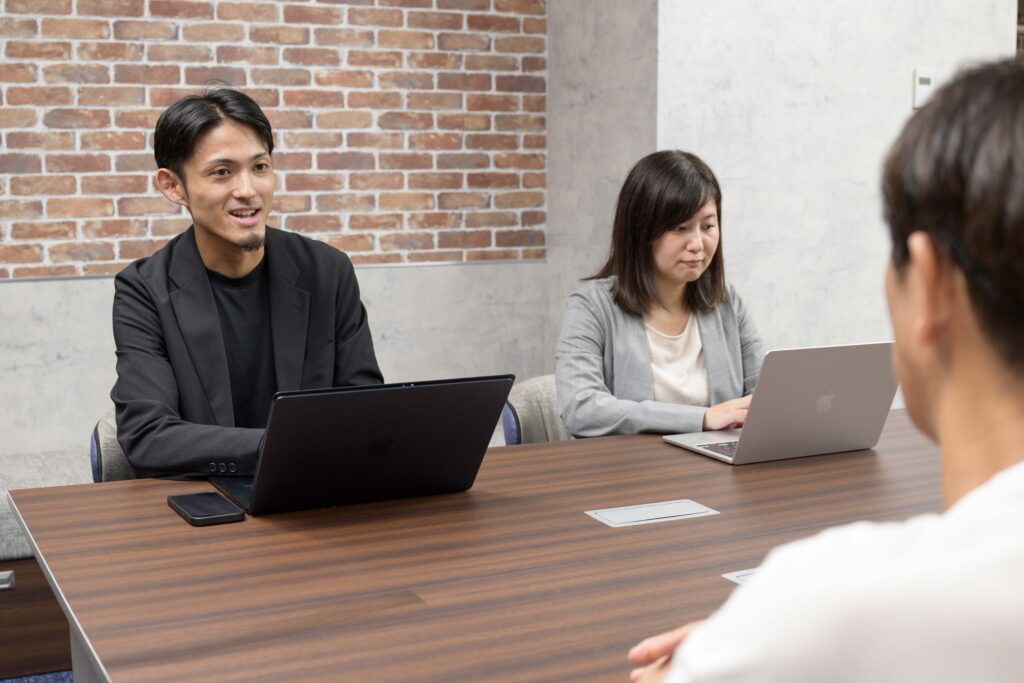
{"x":656,"y":341}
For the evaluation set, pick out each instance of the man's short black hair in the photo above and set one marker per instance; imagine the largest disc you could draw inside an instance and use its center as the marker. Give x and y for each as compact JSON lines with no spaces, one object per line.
{"x":180,"y":126}
{"x":662,"y":190}
{"x":956,"y":172}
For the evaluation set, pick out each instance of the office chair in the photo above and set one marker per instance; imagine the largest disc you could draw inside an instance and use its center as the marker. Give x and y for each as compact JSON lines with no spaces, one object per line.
{"x":107,"y":458}
{"x":530,"y":415}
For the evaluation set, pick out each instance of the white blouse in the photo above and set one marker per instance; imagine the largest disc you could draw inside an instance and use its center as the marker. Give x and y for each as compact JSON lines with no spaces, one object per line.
{"x":677,"y":366}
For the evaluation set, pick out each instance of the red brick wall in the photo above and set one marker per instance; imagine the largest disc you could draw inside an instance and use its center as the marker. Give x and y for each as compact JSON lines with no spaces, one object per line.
{"x":407,"y":130}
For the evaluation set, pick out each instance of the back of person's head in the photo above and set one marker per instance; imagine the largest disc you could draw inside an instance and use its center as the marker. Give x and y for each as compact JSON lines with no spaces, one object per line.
{"x":957,"y":173}
{"x":182,"y":124}
{"x":662,"y":190}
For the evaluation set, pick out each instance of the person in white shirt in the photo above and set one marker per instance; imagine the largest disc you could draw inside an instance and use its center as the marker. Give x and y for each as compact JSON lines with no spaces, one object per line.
{"x":939,"y":597}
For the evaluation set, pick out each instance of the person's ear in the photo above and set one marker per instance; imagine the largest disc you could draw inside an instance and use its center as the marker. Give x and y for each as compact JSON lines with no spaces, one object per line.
{"x":171,"y":186}
{"x":931,"y":284}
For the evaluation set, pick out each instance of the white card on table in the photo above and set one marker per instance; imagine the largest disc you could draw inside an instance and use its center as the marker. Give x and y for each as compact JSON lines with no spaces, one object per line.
{"x":740,"y":577}
{"x":648,"y":513}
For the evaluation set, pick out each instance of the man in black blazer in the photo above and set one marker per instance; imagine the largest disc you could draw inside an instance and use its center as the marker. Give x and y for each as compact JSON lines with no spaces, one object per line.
{"x":231,"y":310}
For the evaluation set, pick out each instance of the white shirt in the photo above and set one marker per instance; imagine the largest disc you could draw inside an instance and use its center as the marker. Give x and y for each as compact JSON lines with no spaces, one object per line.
{"x":937,"y":598}
{"x":677,"y":366}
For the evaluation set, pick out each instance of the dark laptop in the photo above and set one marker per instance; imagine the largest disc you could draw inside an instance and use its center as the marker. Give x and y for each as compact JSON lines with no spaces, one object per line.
{"x":326,"y":447}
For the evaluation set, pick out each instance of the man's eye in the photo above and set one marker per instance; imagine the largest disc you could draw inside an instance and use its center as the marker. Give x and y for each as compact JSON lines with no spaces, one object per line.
{"x":262,"y":166}
{"x":220,"y":172}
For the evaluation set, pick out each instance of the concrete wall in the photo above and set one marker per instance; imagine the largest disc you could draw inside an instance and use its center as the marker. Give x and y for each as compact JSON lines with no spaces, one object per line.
{"x":432,"y":322}
{"x":794,"y":104}
{"x":602,"y":117}
{"x":56,"y":362}
{"x":57,"y":359}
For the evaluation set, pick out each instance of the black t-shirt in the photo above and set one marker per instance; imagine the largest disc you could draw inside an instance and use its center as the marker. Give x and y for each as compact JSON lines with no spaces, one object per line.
{"x":245,"y":325}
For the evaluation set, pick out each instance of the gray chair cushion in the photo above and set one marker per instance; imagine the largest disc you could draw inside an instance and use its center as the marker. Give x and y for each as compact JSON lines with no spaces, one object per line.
{"x":54,"y":468}
{"x":533,"y":400}
{"x":113,"y":466}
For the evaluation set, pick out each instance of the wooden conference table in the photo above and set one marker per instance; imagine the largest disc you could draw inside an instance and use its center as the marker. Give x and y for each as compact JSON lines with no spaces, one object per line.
{"x":510,"y":581}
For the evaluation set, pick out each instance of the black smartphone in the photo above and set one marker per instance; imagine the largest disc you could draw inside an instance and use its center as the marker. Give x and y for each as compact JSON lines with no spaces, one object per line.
{"x":206,"y":508}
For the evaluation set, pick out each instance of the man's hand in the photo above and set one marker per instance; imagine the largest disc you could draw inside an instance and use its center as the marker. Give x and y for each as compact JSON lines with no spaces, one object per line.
{"x":727,"y":415}
{"x":652,"y":673}
{"x":653,"y":655}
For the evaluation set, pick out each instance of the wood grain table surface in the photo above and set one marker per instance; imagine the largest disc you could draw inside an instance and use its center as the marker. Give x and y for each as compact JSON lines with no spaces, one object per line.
{"x":510,"y":581}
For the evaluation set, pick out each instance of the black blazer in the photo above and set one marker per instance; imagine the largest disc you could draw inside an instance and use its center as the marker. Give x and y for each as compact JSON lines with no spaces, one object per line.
{"x":173,"y":395}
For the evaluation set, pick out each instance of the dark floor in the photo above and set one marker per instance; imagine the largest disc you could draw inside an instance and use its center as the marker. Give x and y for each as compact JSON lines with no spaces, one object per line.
{"x":55,"y":677}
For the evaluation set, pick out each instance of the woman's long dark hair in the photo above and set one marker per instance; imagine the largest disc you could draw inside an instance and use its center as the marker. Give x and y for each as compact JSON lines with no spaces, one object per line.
{"x":663,"y":190}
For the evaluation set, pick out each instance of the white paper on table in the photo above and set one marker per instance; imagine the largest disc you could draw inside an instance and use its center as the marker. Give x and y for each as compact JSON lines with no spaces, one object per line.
{"x":648,"y":513}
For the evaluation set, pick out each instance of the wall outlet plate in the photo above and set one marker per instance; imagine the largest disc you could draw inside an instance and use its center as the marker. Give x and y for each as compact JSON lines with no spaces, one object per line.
{"x":924,"y":86}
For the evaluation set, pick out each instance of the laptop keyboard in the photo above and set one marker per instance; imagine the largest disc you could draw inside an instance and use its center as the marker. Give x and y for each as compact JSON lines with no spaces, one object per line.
{"x":727,"y":448}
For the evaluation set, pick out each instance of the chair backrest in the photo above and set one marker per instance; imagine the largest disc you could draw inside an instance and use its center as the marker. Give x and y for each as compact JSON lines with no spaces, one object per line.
{"x":531,"y":415}
{"x":108,"y":461}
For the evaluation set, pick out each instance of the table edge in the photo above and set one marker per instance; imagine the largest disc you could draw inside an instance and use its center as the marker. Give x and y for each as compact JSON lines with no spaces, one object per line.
{"x":77,"y":632}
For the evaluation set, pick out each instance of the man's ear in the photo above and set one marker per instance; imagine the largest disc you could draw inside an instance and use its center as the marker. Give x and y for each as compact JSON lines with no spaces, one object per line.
{"x":171,"y":186}
{"x":931,"y":279}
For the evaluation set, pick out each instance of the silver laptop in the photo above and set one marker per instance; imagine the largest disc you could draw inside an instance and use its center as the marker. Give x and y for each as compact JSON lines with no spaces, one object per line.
{"x":808,"y":402}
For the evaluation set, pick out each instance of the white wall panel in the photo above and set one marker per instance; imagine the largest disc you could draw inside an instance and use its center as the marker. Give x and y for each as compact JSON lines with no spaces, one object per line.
{"x":794,"y":104}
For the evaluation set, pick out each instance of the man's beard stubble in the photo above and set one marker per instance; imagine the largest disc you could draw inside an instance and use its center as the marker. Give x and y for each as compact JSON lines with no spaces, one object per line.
{"x":252,"y":243}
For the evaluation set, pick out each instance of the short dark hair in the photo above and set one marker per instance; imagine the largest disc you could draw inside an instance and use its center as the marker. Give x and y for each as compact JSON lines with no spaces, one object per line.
{"x":956,"y":172}
{"x":661,"y":191}
{"x":180,"y":126}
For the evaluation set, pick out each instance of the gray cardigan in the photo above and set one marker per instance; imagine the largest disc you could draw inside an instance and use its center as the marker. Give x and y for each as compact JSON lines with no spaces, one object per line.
{"x":603,"y":365}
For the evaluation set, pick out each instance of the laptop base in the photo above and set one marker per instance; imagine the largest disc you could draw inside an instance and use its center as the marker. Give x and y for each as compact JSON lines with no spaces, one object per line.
{"x":238,"y":489}
{"x":719,"y":445}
